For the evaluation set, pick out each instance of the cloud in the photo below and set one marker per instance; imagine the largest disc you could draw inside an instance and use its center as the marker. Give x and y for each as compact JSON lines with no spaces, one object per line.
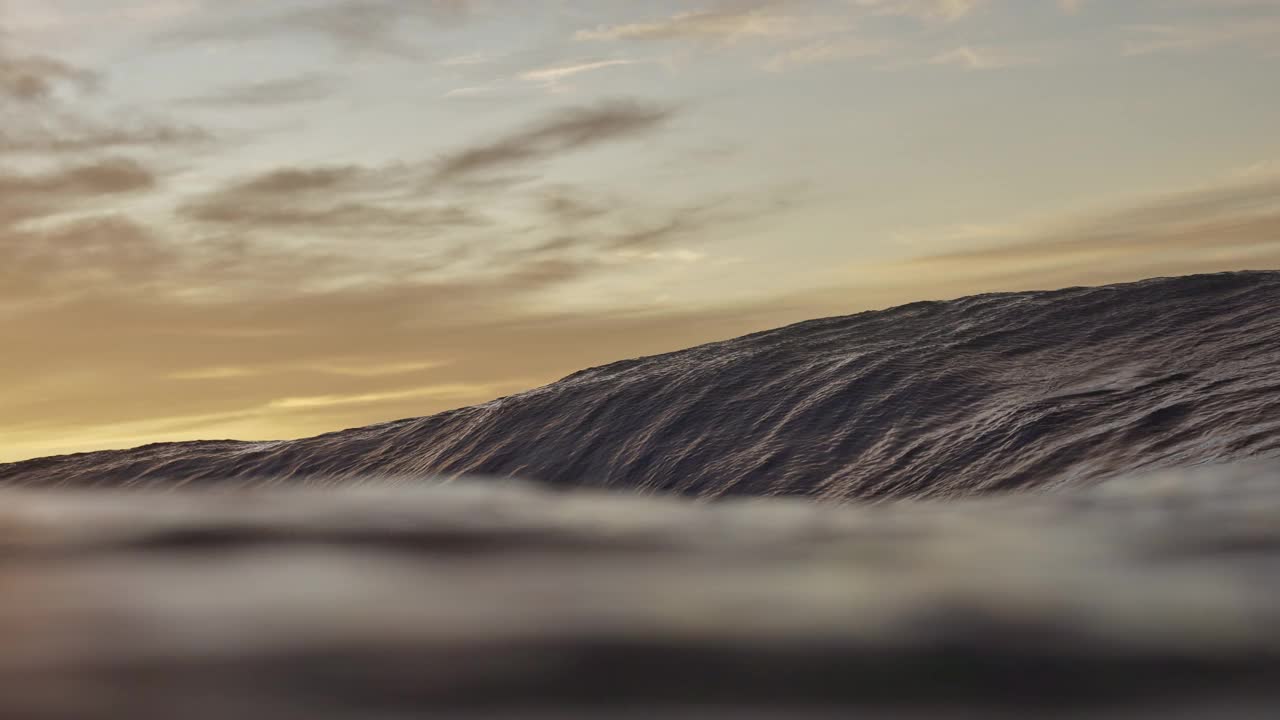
{"x":1258,"y":33}
{"x":289,"y":181}
{"x":564,"y":206}
{"x":684,"y":223}
{"x":564,"y":131}
{"x":825,"y":51}
{"x":141,"y":405}
{"x":325,"y":201}
{"x":760,"y":21}
{"x":775,"y":20}
{"x":270,"y":93}
{"x":460,"y":392}
{"x":41,"y":264}
{"x":469,"y":59}
{"x":550,"y":78}
{"x":38,"y":117}
{"x":1071,"y":7}
{"x":979,"y":58}
{"x":524,"y":74}
{"x":596,"y":233}
{"x":556,"y":73}
{"x":1230,"y":226}
{"x":441,"y":200}
{"x":233,"y":336}
{"x":353,"y":26}
{"x":349,"y":218}
{"x":26,"y":197}
{"x":100,"y":178}
{"x":31,"y":79}
{"x":945,"y":10}
{"x":69,"y":134}
{"x":809,"y":34}
{"x":39,"y":23}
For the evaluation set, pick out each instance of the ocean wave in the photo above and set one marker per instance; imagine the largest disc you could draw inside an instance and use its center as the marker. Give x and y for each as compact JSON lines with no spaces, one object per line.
{"x":998,"y":392}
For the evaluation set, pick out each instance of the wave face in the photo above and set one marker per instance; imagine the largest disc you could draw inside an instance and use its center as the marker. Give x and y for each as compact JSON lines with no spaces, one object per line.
{"x":989,"y":393}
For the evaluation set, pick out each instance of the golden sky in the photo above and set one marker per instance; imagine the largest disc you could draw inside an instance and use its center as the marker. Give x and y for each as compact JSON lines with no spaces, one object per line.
{"x":231,"y":218}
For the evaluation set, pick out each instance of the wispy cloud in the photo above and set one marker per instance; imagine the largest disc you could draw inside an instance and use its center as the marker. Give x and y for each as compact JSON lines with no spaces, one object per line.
{"x":270,"y":93}
{"x":566,"y":130}
{"x":270,"y":339}
{"x":388,"y":247}
{"x":557,"y":73}
{"x":523,"y":74}
{"x":36,"y":78}
{"x":41,"y":264}
{"x":1071,"y":7}
{"x":73,"y":188}
{"x":40,"y":25}
{"x":477,"y":58}
{"x":980,"y":58}
{"x":43,"y":113}
{"x":762,"y":21}
{"x":104,"y":177}
{"x":354,"y":26}
{"x":1259,"y":33}
{"x":825,"y":51}
{"x":368,"y":369}
{"x":947,"y":10}
{"x":457,"y":392}
{"x":338,"y":200}
{"x":1232,"y":225}
{"x":795,"y":34}
{"x":68,"y":134}
{"x":471,"y":91}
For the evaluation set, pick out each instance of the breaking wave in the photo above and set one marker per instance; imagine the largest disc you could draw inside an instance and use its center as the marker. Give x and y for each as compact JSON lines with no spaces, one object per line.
{"x":996,"y":392}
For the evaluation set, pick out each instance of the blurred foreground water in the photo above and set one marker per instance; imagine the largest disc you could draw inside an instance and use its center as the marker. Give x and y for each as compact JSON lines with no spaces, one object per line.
{"x":1151,"y":596}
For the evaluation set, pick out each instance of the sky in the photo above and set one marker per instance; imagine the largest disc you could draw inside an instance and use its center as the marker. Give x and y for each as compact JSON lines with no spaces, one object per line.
{"x":265,"y":220}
